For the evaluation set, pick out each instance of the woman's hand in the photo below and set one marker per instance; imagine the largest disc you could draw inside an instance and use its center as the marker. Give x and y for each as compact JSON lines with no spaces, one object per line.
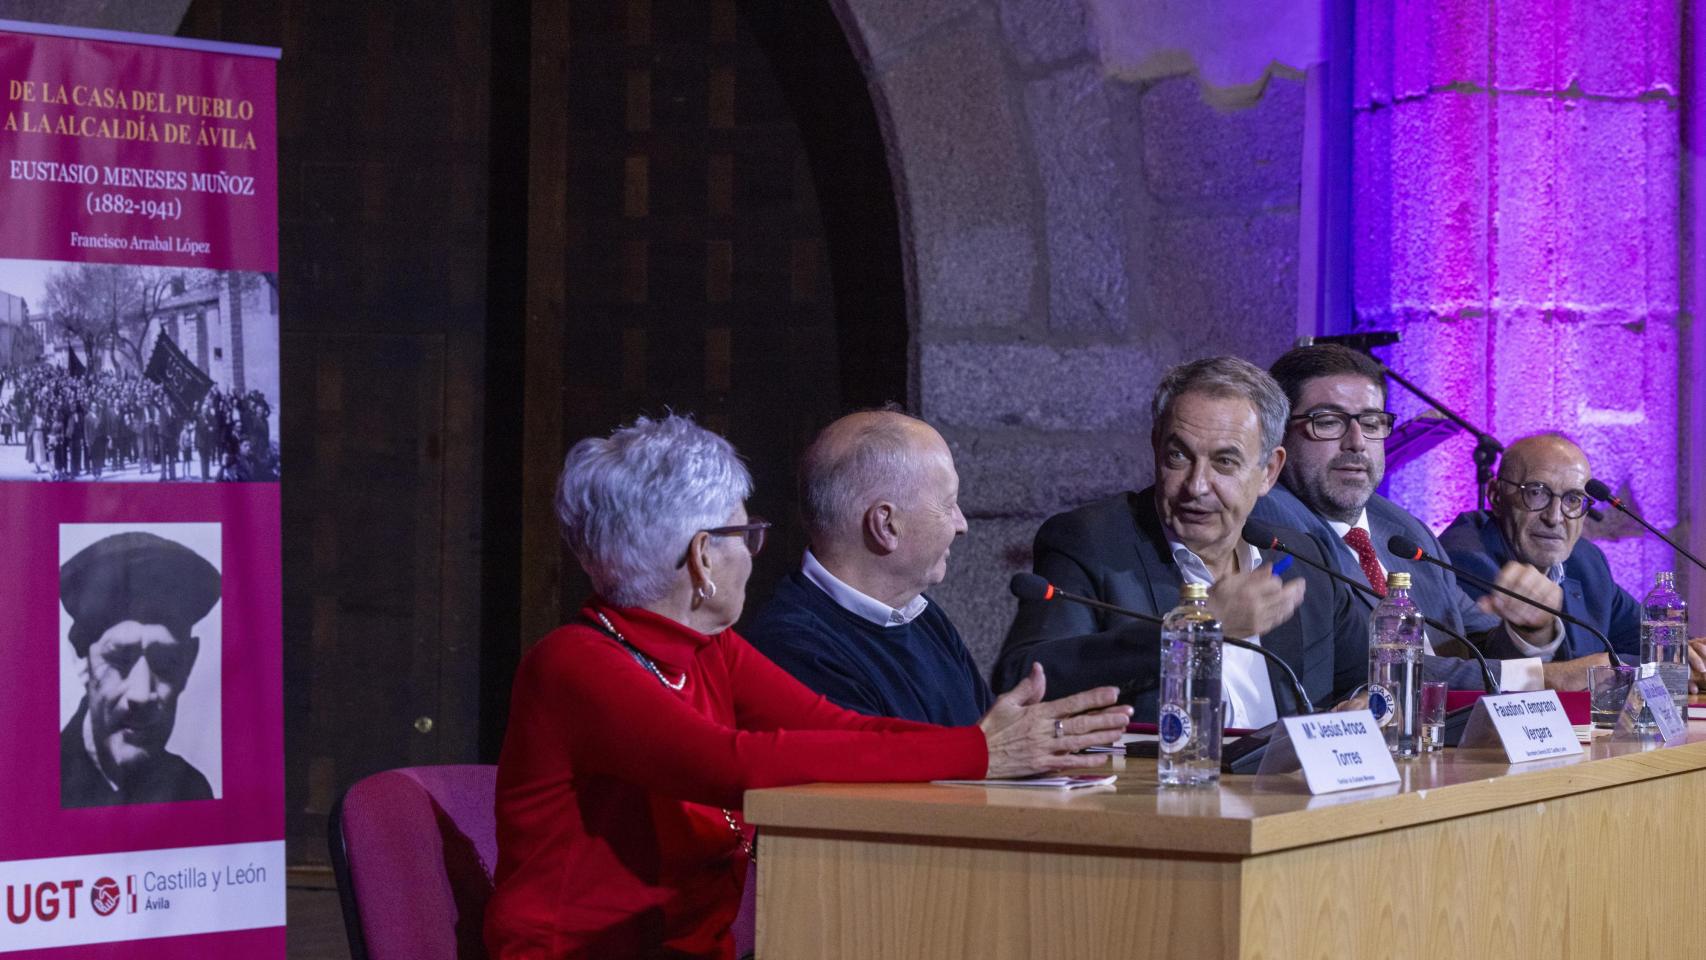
{"x":1026,"y":735}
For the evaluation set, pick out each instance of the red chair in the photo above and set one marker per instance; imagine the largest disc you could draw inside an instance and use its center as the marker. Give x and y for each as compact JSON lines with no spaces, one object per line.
{"x":414,"y":850}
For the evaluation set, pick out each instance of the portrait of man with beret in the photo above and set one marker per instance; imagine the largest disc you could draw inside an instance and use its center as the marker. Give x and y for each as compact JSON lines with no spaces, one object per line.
{"x":133,"y":599}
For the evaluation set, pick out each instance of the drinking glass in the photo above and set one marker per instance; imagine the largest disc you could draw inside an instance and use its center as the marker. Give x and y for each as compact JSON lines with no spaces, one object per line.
{"x":1431,"y":715}
{"x":1608,"y":687}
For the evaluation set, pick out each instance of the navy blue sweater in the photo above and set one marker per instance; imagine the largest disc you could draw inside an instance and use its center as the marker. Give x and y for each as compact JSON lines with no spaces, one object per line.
{"x":916,"y":671}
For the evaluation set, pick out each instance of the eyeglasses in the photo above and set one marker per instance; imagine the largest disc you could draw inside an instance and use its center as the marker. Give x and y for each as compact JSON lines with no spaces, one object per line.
{"x":1331,"y":424}
{"x":752,"y":532}
{"x":1537,"y":497}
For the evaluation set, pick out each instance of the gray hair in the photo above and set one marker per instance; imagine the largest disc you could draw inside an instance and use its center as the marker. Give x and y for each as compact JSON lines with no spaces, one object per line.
{"x":1226,"y":377}
{"x":841,"y":475}
{"x":630,"y":504}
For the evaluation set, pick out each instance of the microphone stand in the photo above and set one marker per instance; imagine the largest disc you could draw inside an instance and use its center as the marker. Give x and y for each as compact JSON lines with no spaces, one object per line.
{"x":1487,"y":447}
{"x":1488,"y":684}
{"x":1304,"y":705}
{"x":1419,"y":554}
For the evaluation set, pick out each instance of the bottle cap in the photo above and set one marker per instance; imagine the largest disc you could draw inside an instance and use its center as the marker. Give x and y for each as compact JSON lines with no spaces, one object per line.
{"x":1397,"y":580}
{"x":1194,"y":591}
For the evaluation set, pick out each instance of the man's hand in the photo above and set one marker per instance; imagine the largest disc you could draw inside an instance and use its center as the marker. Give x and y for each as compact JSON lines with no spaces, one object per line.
{"x":1534,"y":624}
{"x":1358,"y":702}
{"x":1571,"y":674}
{"x":1252,"y":603}
{"x":1697,"y":665}
{"x":1026,"y":735}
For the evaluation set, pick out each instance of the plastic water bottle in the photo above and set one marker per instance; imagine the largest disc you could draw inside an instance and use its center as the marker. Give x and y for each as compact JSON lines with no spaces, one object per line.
{"x":1395,"y":666}
{"x":1189,"y":720}
{"x":1664,"y":639}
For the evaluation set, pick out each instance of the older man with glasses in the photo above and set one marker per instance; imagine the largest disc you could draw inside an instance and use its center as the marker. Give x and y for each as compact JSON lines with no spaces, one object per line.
{"x":1536,"y":508}
{"x":1336,"y":457}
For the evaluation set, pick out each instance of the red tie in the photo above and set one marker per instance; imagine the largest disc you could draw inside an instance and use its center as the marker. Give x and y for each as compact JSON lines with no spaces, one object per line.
{"x":1357,"y":539}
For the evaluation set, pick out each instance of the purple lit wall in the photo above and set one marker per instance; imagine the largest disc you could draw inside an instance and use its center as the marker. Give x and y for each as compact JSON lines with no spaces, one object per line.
{"x":1516,"y":215}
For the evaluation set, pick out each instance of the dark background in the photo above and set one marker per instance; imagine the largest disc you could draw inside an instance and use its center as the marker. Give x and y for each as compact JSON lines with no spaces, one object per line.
{"x":507,"y":227}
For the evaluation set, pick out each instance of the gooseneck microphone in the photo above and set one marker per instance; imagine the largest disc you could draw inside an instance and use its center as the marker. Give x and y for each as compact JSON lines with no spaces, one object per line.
{"x":1029,"y":586}
{"x":1410,"y":550}
{"x":1266,"y":538}
{"x":1599,"y":491}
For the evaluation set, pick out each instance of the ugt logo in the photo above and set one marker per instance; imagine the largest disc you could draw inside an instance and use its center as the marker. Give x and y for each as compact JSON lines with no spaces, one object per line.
{"x":105,"y":895}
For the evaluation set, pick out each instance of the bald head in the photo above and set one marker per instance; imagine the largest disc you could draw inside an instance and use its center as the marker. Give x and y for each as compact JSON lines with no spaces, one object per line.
{"x":1545,"y":536}
{"x":880,"y":502}
{"x":859,"y":460}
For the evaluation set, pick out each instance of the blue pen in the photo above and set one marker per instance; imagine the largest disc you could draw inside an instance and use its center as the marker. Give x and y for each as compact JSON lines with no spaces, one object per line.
{"x":1282,"y":564}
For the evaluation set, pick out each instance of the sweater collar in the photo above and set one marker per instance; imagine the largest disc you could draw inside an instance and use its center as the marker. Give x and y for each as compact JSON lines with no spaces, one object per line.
{"x":673,"y":645}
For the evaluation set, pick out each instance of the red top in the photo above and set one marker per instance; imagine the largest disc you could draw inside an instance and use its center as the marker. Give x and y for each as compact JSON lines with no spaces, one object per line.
{"x":611,"y":840}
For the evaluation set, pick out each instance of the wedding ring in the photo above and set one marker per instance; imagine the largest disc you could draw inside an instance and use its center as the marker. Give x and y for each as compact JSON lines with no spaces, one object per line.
{"x":1059,"y":729}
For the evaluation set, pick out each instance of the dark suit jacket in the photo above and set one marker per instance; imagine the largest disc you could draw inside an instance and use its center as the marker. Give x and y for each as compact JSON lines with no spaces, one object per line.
{"x":1116,"y":551}
{"x":81,"y":784}
{"x":1476,"y":544}
{"x":1435,"y":591}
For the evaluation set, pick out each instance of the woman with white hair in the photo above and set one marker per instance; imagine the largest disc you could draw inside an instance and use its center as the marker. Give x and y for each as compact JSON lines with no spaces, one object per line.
{"x":635,"y":730}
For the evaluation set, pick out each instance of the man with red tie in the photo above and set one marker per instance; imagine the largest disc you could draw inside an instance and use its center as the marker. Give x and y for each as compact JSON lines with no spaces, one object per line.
{"x":1335,"y":444}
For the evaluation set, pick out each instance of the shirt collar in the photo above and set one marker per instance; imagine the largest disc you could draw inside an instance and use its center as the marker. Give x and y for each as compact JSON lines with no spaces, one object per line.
{"x":859,"y":604}
{"x":1196,"y":571}
{"x":1341,"y":528}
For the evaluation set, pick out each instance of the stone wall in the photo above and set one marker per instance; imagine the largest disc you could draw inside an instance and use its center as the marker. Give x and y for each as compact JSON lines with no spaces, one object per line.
{"x":1516,"y":215}
{"x":1068,"y":237}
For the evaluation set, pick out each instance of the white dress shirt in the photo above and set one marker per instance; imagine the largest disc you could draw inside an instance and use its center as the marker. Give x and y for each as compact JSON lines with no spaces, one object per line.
{"x":857,"y":603}
{"x":1243,"y":673}
{"x":1514,"y":675}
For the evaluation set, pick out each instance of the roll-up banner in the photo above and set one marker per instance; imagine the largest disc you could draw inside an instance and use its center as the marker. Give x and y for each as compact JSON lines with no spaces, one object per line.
{"x":141,"y":715}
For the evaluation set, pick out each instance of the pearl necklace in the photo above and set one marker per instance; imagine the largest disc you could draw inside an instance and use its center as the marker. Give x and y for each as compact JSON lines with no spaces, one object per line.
{"x":634,"y":652}
{"x":645,"y":661}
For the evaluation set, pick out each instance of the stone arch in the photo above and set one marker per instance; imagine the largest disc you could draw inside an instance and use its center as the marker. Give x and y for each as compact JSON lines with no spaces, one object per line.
{"x":1066,"y":236}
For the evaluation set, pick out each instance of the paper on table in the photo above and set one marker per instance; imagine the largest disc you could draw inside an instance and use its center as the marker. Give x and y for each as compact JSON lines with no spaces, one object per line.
{"x":1697,"y":713}
{"x":1045,"y":782}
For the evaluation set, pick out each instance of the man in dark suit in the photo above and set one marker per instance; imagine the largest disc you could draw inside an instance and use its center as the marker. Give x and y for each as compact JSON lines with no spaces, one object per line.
{"x":1335,"y":444}
{"x":133,"y":599}
{"x":1216,"y":437}
{"x":1536,"y":507}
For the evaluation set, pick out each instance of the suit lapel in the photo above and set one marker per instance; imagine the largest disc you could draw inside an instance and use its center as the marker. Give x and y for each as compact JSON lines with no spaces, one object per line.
{"x":1154,"y":556}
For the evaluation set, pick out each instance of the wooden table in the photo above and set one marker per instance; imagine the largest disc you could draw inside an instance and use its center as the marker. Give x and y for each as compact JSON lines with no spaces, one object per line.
{"x":1590,"y":857}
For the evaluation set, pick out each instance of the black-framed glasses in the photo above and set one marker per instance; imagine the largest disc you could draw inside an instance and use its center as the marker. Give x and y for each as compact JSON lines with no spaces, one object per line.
{"x":1537,"y":497}
{"x":1331,"y":424}
{"x":751,"y":533}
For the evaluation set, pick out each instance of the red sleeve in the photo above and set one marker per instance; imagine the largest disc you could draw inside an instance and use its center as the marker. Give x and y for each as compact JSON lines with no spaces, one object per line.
{"x":622,"y":723}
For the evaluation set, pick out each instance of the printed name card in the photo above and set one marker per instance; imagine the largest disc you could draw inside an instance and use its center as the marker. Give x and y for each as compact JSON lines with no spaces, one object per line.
{"x":1530,"y":726}
{"x":1666,"y":717}
{"x":1341,"y":751}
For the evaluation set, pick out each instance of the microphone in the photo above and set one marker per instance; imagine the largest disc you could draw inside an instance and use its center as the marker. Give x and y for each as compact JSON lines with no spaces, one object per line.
{"x":1029,"y":586}
{"x":1599,"y":491}
{"x":1265,"y":537}
{"x":1410,"y":550}
{"x":1356,"y":341}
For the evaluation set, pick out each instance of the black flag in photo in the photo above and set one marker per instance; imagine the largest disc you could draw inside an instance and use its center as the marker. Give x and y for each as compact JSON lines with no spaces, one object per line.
{"x":185,"y":383}
{"x":73,"y":365}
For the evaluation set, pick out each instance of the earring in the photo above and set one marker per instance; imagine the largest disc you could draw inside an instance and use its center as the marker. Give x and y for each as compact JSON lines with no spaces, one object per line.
{"x":705,"y":591}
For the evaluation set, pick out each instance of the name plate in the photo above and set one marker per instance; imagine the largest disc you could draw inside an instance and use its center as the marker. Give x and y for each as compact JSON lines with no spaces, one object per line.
{"x":1666,"y":717}
{"x":1341,"y":751}
{"x":1530,"y":726}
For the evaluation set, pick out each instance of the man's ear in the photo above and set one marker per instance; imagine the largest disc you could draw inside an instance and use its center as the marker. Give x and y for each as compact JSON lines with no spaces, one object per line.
{"x":881,"y":533}
{"x":1271,"y":470}
{"x":192,"y":648}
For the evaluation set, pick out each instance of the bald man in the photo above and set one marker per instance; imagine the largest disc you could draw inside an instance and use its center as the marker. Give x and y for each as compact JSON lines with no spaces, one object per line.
{"x":879,"y":497}
{"x":1536,"y":507}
